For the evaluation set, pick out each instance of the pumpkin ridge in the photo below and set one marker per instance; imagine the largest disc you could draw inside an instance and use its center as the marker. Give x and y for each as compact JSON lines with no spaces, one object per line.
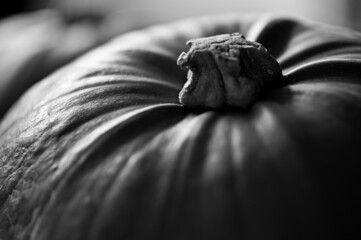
{"x":332,"y":67}
{"x":275,"y":33}
{"x":72,"y":164}
{"x":187,"y":174}
{"x":308,"y":53}
{"x":112,"y":126}
{"x":161,"y":199}
{"x":142,"y":82}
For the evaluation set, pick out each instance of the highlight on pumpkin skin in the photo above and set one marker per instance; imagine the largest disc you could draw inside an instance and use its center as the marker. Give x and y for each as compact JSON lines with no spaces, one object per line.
{"x":226,"y":71}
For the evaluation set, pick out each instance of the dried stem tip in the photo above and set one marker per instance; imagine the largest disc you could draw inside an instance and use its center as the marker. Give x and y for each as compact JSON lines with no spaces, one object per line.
{"x":226,"y":71}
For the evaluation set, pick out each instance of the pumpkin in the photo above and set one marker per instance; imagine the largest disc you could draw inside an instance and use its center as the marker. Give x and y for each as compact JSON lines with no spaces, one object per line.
{"x":102,"y":148}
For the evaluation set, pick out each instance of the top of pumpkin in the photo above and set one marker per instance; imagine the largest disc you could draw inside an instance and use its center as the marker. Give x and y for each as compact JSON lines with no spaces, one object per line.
{"x":226,"y":71}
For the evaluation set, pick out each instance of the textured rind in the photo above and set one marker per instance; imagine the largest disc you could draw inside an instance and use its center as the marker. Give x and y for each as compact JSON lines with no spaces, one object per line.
{"x":103,"y":150}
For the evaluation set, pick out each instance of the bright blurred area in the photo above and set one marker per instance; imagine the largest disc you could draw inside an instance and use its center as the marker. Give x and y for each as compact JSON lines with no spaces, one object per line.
{"x":145,"y":12}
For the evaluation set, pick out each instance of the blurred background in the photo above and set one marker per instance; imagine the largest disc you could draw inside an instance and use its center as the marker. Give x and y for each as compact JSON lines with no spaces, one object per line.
{"x":144,"y":12}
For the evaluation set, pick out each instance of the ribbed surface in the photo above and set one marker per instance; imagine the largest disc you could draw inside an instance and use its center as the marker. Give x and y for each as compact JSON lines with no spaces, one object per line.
{"x":102,"y":149}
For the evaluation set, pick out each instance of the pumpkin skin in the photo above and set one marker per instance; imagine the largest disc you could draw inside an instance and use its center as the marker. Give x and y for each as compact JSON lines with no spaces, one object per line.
{"x":102,"y":149}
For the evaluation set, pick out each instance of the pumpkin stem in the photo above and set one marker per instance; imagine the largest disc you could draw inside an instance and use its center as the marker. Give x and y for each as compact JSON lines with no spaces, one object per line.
{"x":226,"y":71}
